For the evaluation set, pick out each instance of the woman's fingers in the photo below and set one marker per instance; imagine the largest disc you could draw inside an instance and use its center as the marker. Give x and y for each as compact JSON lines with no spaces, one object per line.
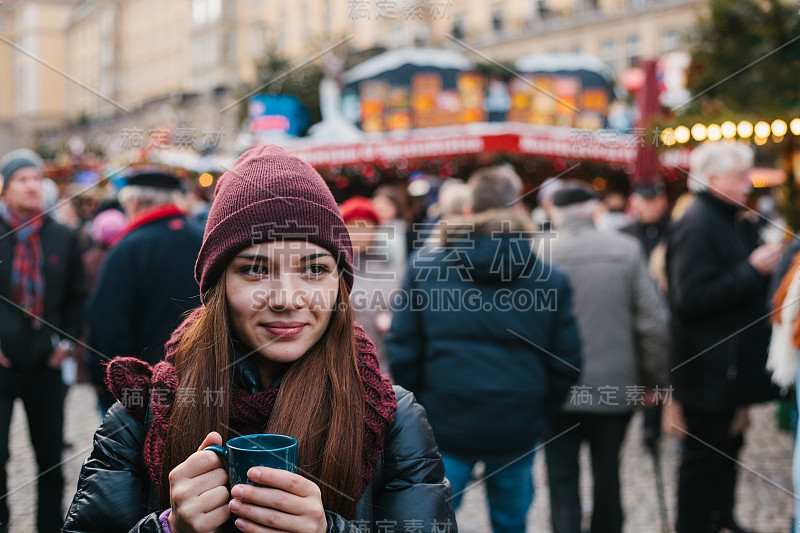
{"x":198,"y":492}
{"x":288,"y":502}
{"x":211,"y":438}
{"x":196,"y":464}
{"x":277,"y":499}
{"x":284,"y":480}
{"x":213,"y":500}
{"x":265,"y":516}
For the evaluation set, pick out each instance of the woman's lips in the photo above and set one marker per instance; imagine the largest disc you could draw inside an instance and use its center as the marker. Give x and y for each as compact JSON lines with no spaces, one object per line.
{"x":284,"y":330}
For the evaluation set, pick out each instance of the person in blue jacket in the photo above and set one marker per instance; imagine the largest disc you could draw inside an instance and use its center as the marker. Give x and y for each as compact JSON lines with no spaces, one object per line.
{"x":486,"y":339}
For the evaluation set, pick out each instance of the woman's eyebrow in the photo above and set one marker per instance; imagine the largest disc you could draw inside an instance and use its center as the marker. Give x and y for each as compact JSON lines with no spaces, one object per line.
{"x":253,"y":257}
{"x":315,"y":256}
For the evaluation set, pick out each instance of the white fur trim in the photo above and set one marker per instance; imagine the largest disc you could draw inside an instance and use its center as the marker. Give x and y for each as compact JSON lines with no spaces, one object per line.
{"x":782,"y":360}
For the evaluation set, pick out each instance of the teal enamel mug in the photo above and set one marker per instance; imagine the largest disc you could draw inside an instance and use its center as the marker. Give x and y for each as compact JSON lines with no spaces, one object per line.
{"x":240,"y":454}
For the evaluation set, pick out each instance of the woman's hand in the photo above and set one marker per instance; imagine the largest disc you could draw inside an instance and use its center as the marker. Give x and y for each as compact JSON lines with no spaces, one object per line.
{"x":289,"y":502}
{"x":197,"y":491}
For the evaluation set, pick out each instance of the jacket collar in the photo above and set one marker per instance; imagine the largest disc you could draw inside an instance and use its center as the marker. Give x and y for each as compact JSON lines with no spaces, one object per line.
{"x":576,"y":225}
{"x":717,"y":204}
{"x":151,"y":215}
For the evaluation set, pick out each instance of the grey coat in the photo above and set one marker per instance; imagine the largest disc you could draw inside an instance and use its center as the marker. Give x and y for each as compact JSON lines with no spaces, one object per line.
{"x":622,"y":319}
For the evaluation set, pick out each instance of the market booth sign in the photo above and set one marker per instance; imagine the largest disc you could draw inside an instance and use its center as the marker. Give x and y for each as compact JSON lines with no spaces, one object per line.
{"x":605,"y":147}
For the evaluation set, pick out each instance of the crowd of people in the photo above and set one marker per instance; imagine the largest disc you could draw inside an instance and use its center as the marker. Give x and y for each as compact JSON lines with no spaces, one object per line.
{"x":399,"y":351}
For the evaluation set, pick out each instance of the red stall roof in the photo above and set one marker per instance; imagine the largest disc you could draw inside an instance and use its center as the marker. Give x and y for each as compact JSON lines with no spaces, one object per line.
{"x":471,"y":139}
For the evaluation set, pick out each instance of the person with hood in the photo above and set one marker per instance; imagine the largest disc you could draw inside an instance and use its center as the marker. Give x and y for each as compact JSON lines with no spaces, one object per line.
{"x":42,"y":298}
{"x":146,"y":284}
{"x":486,"y":339}
{"x":272,"y":349}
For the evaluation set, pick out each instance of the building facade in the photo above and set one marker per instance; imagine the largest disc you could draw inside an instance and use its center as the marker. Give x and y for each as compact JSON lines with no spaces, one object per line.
{"x":100,"y":67}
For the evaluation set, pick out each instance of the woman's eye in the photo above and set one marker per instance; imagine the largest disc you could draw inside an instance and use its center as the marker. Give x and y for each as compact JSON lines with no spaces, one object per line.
{"x":255,"y":270}
{"x":317,"y":270}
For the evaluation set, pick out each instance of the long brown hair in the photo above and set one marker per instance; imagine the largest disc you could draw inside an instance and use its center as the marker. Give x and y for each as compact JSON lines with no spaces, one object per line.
{"x":320,"y":401}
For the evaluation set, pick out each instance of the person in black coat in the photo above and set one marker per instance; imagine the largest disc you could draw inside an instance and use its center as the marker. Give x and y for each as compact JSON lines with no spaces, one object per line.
{"x":146,"y":282}
{"x":650,"y":205}
{"x":717,"y":277}
{"x":42,"y":297}
{"x":273,"y":349}
{"x":486,"y":338}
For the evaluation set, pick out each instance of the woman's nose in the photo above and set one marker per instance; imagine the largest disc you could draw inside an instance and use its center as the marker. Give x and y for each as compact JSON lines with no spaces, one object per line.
{"x":285,"y":293}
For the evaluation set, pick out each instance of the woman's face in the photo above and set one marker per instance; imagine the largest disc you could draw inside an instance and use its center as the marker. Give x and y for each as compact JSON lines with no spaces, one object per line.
{"x":281,"y":296}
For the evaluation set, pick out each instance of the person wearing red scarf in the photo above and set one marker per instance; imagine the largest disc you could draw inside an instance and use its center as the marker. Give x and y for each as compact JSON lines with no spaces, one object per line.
{"x":273,"y":348}
{"x":146,"y":282}
{"x":42,"y":295}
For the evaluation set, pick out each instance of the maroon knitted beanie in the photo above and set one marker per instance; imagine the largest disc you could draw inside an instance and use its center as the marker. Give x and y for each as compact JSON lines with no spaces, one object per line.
{"x":269,"y":195}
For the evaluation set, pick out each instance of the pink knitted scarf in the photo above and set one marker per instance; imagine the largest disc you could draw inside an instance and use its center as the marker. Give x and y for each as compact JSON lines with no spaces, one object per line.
{"x":137,"y":385}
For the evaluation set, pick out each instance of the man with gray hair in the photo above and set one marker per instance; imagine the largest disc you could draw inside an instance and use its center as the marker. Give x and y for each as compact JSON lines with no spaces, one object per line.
{"x":623,"y":326}
{"x":717,"y":277}
{"x":147,"y":281}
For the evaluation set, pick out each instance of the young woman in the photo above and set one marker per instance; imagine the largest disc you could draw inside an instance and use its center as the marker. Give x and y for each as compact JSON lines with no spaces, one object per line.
{"x":273,"y":349}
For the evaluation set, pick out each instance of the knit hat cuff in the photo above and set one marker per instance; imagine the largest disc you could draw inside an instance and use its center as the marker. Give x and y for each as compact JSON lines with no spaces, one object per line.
{"x":288,"y":220}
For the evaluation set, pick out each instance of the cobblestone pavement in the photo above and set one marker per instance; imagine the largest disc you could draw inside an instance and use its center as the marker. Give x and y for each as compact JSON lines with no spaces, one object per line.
{"x":764,"y":498}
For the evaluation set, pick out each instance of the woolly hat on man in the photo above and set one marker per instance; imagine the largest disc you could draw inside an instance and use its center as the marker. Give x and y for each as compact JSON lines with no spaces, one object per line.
{"x":270,"y":195}
{"x":359,"y":208}
{"x":17,"y":159}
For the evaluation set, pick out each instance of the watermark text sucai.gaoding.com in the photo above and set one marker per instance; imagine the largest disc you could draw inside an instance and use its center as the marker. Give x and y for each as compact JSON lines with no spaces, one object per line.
{"x":429,"y":300}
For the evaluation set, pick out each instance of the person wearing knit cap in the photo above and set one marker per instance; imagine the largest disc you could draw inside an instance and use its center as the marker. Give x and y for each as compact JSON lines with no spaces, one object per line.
{"x":106,"y":226}
{"x":146,"y":283}
{"x":42,"y":298}
{"x":377,"y":275}
{"x":272,"y":349}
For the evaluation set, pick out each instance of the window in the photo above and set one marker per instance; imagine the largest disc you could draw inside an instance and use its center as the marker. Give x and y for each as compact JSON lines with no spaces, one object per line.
{"x":609,"y":51}
{"x":281,"y":41}
{"x":459,"y":26}
{"x":497,"y":19}
{"x":230,"y":46}
{"x":258,"y":38}
{"x":399,"y":36}
{"x":199,"y":12}
{"x":670,"y":40}
{"x":214,"y":9}
{"x":542,"y":10}
{"x":306,"y":22}
{"x":106,"y":21}
{"x":205,"y":11}
{"x":327,"y":28}
{"x":632,"y":50}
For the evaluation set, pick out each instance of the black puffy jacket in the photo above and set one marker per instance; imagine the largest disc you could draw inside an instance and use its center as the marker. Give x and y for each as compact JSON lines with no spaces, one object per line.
{"x":409,"y":489}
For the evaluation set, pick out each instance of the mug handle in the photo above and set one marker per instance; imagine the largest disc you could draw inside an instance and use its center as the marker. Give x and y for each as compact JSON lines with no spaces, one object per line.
{"x":222,"y":451}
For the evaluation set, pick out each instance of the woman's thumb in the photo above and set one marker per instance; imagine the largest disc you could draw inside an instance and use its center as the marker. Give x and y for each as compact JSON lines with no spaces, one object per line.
{"x":211,"y":438}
